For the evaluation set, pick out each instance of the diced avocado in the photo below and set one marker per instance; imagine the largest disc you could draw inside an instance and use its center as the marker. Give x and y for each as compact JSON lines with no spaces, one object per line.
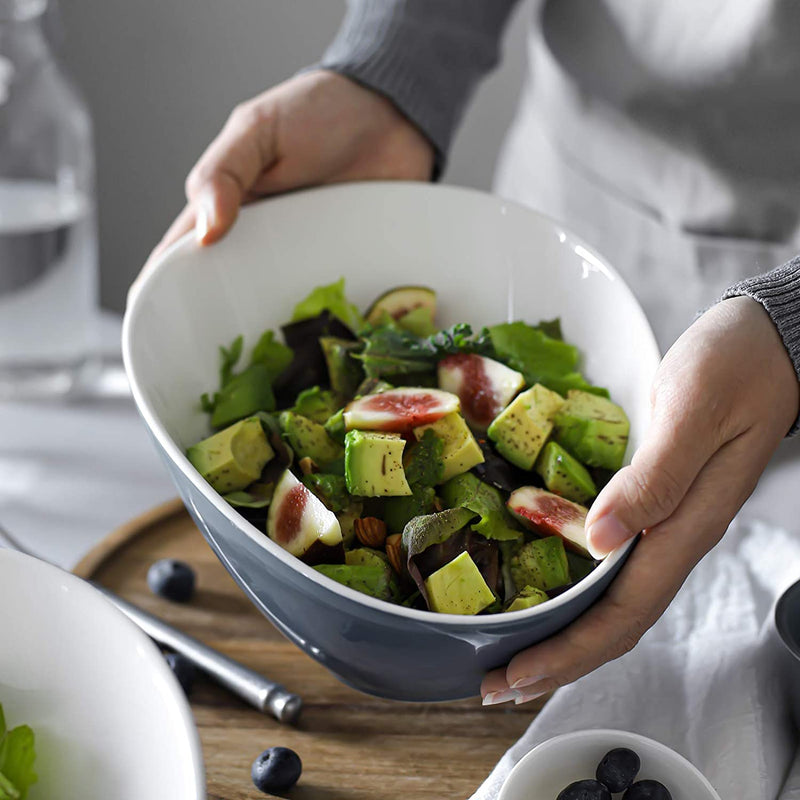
{"x":530,"y":596}
{"x":345,"y":373}
{"x":520,"y":430}
{"x":458,"y":587}
{"x":373,"y":580}
{"x":373,"y":464}
{"x":316,"y":404}
{"x":331,"y":489}
{"x":461,"y":450}
{"x":334,"y":426}
{"x":593,"y":429}
{"x":564,"y":475}
{"x":347,"y":518}
{"x":243,"y":395}
{"x":308,"y":438}
{"x":366,"y":557}
{"x":541,"y":563}
{"x":234,"y":457}
{"x":397,"y":511}
{"x":418,"y":321}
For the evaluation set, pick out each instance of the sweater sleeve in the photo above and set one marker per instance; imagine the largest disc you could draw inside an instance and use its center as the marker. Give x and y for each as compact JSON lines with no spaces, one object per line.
{"x":426,"y":56}
{"x":778,"y":292}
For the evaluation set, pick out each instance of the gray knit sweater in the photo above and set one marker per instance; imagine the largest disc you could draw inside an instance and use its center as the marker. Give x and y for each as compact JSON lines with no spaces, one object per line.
{"x":428,"y":56}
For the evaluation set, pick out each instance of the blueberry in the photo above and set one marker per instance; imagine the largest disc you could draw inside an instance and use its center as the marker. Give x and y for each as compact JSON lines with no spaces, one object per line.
{"x":618,"y":769}
{"x":172,"y":580}
{"x":183,"y":670}
{"x":647,"y":790}
{"x":276,"y":770}
{"x":585,"y":790}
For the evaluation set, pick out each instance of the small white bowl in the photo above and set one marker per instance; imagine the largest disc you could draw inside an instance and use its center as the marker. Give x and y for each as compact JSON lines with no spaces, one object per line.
{"x":110,"y":719}
{"x":553,"y":765}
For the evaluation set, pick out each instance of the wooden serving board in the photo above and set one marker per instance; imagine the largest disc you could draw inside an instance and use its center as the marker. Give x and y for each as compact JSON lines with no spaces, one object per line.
{"x":353,"y":746}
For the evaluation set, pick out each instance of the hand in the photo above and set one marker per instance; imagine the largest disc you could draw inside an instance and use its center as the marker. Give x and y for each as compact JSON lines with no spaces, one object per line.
{"x":312,"y":129}
{"x":723,"y":398}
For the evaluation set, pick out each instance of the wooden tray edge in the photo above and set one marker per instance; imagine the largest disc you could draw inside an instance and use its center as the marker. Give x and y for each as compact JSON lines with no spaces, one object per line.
{"x":106,"y":547}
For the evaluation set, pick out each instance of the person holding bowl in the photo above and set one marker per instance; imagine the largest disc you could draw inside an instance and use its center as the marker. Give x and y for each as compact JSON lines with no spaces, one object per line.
{"x":665,"y":134}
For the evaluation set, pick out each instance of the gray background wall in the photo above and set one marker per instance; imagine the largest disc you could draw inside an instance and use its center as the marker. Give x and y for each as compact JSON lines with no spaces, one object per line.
{"x":161,"y":76}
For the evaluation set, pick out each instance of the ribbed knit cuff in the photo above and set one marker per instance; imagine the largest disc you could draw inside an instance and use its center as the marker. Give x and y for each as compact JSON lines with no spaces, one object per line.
{"x":426,"y":56}
{"x":778,"y":292}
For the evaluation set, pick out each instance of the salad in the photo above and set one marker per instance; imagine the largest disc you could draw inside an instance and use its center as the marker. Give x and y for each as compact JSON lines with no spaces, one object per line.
{"x":16,"y":760}
{"x":448,"y":470}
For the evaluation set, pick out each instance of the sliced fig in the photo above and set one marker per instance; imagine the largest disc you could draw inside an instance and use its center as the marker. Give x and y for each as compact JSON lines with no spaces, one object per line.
{"x":484,"y":386}
{"x":399,"y":410}
{"x":548,"y":514}
{"x":398,"y":302}
{"x":301,"y":524}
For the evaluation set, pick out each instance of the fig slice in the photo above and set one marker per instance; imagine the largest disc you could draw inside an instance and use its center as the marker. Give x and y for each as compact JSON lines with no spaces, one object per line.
{"x":399,"y":410}
{"x":484,"y":386}
{"x":299,"y":521}
{"x":548,"y":514}
{"x":400,"y":301}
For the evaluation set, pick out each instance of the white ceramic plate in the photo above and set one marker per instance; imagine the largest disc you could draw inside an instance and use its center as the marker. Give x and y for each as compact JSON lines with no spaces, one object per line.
{"x":110,"y":719}
{"x":554,"y":764}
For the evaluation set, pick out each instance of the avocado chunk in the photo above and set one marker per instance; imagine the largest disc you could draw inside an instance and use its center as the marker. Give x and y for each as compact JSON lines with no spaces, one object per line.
{"x":370,"y":579}
{"x":530,"y":596}
{"x":564,"y":475}
{"x":593,"y":429}
{"x":520,"y":430}
{"x":373,"y":464}
{"x":234,"y":457}
{"x":541,"y":563}
{"x":461,"y":451}
{"x":458,"y":587}
{"x":308,"y":438}
{"x":334,"y":426}
{"x":316,"y":404}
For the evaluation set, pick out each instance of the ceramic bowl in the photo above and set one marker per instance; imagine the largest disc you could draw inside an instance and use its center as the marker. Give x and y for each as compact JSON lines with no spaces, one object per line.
{"x":787,"y":623}
{"x":109,"y":718}
{"x":490,"y":261}
{"x":554,"y":764}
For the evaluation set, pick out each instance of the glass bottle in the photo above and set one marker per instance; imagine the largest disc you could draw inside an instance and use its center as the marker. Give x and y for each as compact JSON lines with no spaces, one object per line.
{"x":48,"y":236}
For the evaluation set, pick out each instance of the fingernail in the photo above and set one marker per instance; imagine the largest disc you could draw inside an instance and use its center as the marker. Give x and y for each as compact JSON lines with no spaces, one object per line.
{"x":606,"y":535}
{"x":205,"y":216}
{"x":526,"y":697}
{"x":493,"y":698}
{"x":528,"y":681}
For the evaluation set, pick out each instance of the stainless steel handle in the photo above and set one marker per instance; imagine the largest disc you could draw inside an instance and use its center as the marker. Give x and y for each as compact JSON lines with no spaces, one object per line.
{"x":265,"y":695}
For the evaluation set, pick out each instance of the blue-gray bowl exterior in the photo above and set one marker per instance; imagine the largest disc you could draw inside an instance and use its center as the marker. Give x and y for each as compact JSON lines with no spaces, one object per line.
{"x":375,"y":652}
{"x":787,"y":623}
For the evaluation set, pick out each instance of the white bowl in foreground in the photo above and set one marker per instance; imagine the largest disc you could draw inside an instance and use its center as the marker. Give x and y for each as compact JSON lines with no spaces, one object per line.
{"x":554,"y":764}
{"x":109,"y":718}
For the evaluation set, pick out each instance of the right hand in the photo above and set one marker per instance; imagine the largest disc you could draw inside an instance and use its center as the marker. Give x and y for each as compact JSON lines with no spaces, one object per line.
{"x":316,"y":128}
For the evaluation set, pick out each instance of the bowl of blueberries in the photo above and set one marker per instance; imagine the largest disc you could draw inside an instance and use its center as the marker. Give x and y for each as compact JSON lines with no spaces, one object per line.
{"x":605,"y":765}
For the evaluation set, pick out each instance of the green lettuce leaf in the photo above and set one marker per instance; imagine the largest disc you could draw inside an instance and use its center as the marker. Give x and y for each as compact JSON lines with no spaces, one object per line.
{"x":425,"y":465}
{"x":257,"y":495}
{"x":17,"y":756}
{"x":229,"y":358}
{"x":467,"y":491}
{"x":539,"y":357}
{"x":330,"y":298}
{"x":274,"y":355}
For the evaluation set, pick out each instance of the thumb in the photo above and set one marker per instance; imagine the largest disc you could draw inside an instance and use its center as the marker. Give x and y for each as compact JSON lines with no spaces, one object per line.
{"x":221,"y":180}
{"x":646,"y":493}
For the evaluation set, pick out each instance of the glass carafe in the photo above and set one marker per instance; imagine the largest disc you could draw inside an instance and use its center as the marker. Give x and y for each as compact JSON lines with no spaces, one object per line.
{"x":48,"y":239}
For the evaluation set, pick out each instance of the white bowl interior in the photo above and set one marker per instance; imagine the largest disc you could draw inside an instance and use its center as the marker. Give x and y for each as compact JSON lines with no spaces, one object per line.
{"x":109,"y":718}
{"x":489,"y":261}
{"x":559,"y":761}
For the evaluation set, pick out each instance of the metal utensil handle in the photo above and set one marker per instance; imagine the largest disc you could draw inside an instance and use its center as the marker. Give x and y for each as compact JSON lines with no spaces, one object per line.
{"x":255,"y":689}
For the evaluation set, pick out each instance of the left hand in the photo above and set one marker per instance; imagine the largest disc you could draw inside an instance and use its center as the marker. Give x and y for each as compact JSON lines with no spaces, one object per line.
{"x":723,"y":398}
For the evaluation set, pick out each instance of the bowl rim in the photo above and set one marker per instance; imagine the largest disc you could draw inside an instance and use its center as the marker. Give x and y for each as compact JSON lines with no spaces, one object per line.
{"x":143,"y":285}
{"x":604,"y":733}
{"x":96,"y":599}
{"x":790,"y":596}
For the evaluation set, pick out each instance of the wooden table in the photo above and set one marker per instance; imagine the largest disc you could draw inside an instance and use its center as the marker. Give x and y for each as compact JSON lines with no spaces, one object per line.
{"x":353,"y":746}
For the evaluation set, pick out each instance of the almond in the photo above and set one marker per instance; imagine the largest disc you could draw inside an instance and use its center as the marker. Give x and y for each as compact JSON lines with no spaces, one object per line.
{"x":394,"y":550}
{"x":370,"y":531}
{"x":308,"y":466}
